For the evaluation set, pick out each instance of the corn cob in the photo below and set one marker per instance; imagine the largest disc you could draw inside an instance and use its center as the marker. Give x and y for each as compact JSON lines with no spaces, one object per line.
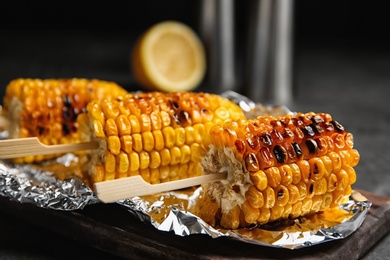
{"x":48,"y":108}
{"x":278,"y":168}
{"x":152,"y":134}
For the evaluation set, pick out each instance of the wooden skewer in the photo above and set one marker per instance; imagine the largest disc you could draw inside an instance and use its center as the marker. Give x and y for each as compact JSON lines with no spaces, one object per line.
{"x":20,"y":147}
{"x":107,"y":191}
{"x":114,"y":190}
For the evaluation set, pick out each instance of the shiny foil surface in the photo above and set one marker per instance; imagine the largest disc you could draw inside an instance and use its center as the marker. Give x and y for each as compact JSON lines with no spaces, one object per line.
{"x":56,"y":185}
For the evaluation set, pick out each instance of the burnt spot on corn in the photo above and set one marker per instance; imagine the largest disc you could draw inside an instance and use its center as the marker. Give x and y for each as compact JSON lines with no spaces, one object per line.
{"x":337,"y":126}
{"x":280,"y":154}
{"x":67,"y":100}
{"x":253,"y":142}
{"x":308,"y":130}
{"x":251,"y":162}
{"x":297,"y":149}
{"x":240,"y":146}
{"x":65,"y":129}
{"x":311,"y":146}
{"x":266,"y":139}
{"x":174,"y":104}
{"x":280,"y":194}
{"x":184,"y":118}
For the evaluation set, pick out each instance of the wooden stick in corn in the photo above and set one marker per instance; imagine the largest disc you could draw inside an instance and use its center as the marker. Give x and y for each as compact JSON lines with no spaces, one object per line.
{"x":48,"y":108}
{"x":278,"y":168}
{"x":160,"y":136}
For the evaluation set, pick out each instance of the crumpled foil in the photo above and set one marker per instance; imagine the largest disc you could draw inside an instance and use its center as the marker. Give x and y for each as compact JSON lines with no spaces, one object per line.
{"x":172,"y":211}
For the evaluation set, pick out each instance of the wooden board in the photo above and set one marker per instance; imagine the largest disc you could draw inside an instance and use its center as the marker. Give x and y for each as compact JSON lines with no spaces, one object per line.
{"x":110,"y":228}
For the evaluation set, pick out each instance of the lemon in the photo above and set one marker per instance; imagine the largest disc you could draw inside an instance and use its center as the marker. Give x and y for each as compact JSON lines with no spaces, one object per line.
{"x":168,"y":57}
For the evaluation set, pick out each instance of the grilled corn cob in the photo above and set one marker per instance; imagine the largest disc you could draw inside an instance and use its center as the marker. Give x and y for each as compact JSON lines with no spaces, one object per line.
{"x":48,"y":108}
{"x":152,"y":133}
{"x":278,"y":168}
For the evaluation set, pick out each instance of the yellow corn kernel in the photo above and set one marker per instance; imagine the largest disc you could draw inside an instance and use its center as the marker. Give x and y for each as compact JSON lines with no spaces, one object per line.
{"x":155,"y":159}
{"x":144,"y":160}
{"x":174,"y":172}
{"x":342,"y":179}
{"x":355,"y":157}
{"x":175,"y":155}
{"x":306,"y":206}
{"x":158,"y":140}
{"x":302,"y":190}
{"x":276,"y":212}
{"x":296,"y":209}
{"x":351,"y":175}
{"x":137,"y":142}
{"x":134,"y":161}
{"x":259,"y":179}
{"x":110,"y":108}
{"x":123,"y":125}
{"x":264,"y":216}
{"x":180,"y":136}
{"x":254,"y":197}
{"x":110,"y":163}
{"x":273,"y":176}
{"x":145,"y":174}
{"x":320,"y":186}
{"x":98,"y":173}
{"x":164,"y":172}
{"x":197,"y":152}
{"x":135,"y":125}
{"x":111,"y":128}
{"x":294,"y":194}
{"x":154,"y":176}
{"x":165,"y":119}
{"x":122,"y":163}
{"x":328,"y":165}
{"x":317,"y":201}
{"x":286,"y":174}
{"x":199,"y":132}
{"x":269,"y":197}
{"x":155,"y":121}
{"x":148,"y":141}
{"x":114,"y":144}
{"x":326,"y":201}
{"x":98,"y":129}
{"x":231,"y":219}
{"x":126,"y":143}
{"x":183,"y":171}
{"x":165,"y":157}
{"x":317,"y":168}
{"x":332,"y":182}
{"x":144,"y":121}
{"x":185,"y":151}
{"x":190,"y":135}
{"x":169,"y":136}
{"x":336,"y":160}
{"x":304,"y":166}
{"x":296,"y":173}
{"x":251,"y":213}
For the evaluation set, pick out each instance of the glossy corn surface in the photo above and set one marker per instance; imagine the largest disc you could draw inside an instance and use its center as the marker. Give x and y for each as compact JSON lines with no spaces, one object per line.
{"x":280,"y":168}
{"x":48,"y":108}
{"x":153,"y":133}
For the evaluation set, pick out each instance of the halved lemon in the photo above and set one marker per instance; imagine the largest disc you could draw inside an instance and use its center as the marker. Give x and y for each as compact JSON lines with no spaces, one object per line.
{"x":168,"y":57}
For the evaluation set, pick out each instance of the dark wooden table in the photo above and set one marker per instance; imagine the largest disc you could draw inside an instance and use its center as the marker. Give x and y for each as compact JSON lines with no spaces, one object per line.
{"x":351,"y":84}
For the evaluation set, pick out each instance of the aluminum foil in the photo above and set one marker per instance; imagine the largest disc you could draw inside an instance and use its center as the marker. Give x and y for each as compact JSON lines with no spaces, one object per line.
{"x":173,"y":211}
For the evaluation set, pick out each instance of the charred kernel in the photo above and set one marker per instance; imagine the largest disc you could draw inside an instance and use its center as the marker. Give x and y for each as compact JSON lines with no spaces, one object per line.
{"x":185,"y":118}
{"x":252,"y":165}
{"x":253,"y":142}
{"x":308,"y":130}
{"x":317,"y":119}
{"x":240,"y":146}
{"x":280,"y":154}
{"x":288,"y":134}
{"x":329,"y":126}
{"x":65,"y":129}
{"x":265,"y":157}
{"x":67,"y":101}
{"x":297,"y":149}
{"x":266,"y":139}
{"x":317,"y":128}
{"x":311,"y":146}
{"x":276,"y":136}
{"x":337,"y":126}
